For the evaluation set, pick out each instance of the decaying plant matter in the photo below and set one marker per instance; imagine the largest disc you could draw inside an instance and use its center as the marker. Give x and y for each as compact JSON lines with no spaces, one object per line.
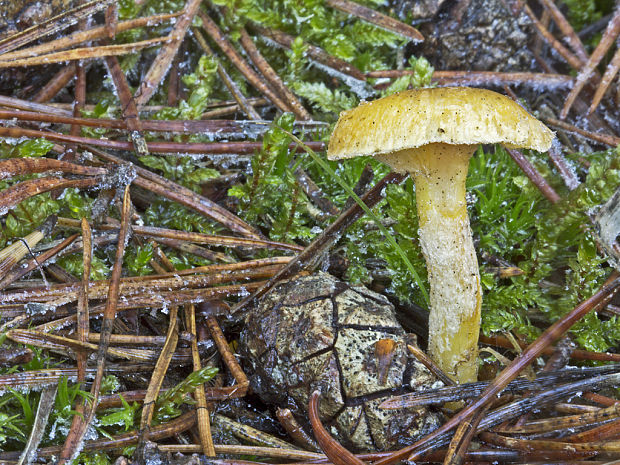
{"x":163,"y":180}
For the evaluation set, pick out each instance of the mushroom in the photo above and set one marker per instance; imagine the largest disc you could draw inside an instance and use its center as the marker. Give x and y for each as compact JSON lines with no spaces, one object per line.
{"x":431,"y":134}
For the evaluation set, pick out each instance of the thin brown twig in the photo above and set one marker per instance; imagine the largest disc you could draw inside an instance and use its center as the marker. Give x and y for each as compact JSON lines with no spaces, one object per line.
{"x":607,"y":139}
{"x":295,"y":430}
{"x":202,"y":410}
{"x":229,"y":82}
{"x":223,"y":127}
{"x":600,"y":399}
{"x":565,"y":422}
{"x":55,"y":84}
{"x":54,"y":24}
{"x":111,"y":20}
{"x":217,"y":148}
{"x":82,"y":336}
{"x":430,"y":364}
{"x":457,"y":450}
{"x":272,"y":77}
{"x":602,"y":432}
{"x":12,"y":102}
{"x":610,"y":73}
{"x":575,"y":354}
{"x":485,"y":78}
{"x":68,"y":292}
{"x":11,"y":167}
{"x":532,"y":173}
{"x":240,"y":389}
{"x":537,"y":444}
{"x":315,"y":53}
{"x":19,"y":192}
{"x":249,"y":434}
{"x":72,"y":446}
{"x":376,"y":18}
{"x":569,"y":33}
{"x":82,"y":307}
{"x":188,"y":247}
{"x":157,"y":377}
{"x":83,"y":53}
{"x":222,"y":108}
{"x":574,"y":61}
{"x":129,"y":109}
{"x":244,"y":68}
{"x":611,"y":32}
{"x":199,"y":238}
{"x":162,"y":62}
{"x":337,"y":454}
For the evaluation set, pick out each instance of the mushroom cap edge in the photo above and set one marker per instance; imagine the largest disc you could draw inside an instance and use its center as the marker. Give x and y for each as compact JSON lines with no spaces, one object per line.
{"x":452,"y":115}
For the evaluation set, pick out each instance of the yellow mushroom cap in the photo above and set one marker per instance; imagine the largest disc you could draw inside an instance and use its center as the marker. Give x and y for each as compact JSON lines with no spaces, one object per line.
{"x":449,"y":115}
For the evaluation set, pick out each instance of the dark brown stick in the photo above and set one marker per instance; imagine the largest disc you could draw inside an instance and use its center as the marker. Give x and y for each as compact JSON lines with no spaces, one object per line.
{"x":314,"y":52}
{"x":55,"y":84}
{"x":162,"y":62}
{"x":216,"y":148}
{"x":610,"y":73}
{"x":334,"y":451}
{"x":485,"y":78}
{"x":601,"y":138}
{"x":376,"y":18}
{"x":272,"y":77}
{"x":229,"y":82}
{"x":571,"y":37}
{"x":532,"y":173}
{"x":244,"y":68}
{"x":55,"y":24}
{"x":612,"y":31}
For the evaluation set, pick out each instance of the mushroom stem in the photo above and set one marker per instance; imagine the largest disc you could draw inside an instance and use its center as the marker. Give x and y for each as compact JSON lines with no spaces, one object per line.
{"x":439,"y":171}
